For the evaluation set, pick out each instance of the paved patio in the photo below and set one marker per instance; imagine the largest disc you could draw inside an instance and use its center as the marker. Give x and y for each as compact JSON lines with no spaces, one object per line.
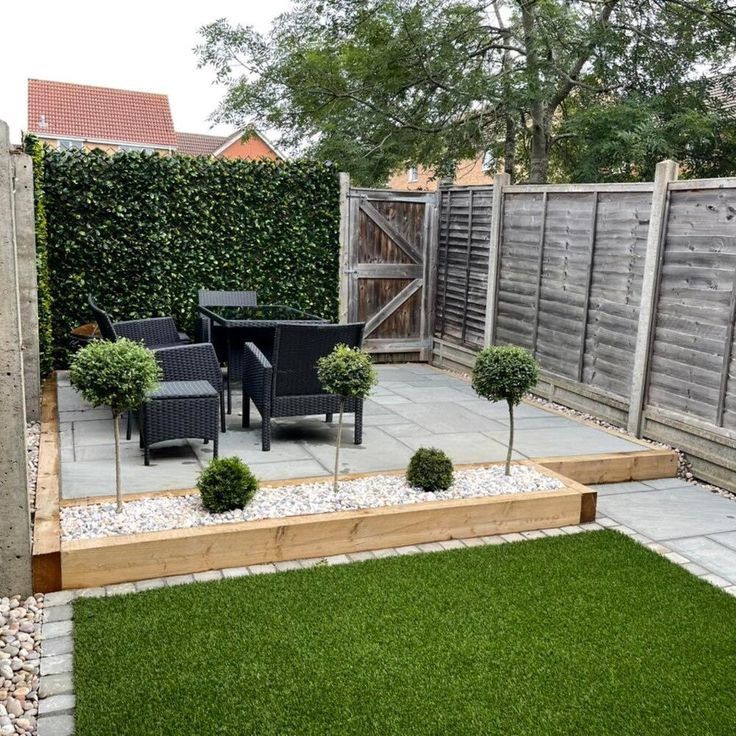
{"x":695,"y":524}
{"x":414,"y":405}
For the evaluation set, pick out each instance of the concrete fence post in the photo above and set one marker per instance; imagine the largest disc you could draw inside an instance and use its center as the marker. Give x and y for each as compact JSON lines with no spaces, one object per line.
{"x":344,"y":265}
{"x":15,"y":526}
{"x":500,"y":181}
{"x":665,"y":173}
{"x":25,"y":240}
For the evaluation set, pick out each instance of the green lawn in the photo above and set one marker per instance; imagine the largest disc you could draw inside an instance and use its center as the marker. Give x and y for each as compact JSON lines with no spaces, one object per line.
{"x":589,"y":634}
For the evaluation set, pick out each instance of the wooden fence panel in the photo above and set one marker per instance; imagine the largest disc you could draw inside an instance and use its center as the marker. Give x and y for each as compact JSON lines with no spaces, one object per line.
{"x":462,"y":265}
{"x":521,"y":235}
{"x":570,"y":280}
{"x":692,"y":369}
{"x":615,"y":290}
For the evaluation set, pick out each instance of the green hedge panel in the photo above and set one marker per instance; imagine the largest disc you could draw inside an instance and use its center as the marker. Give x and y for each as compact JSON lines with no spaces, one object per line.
{"x":143,"y":232}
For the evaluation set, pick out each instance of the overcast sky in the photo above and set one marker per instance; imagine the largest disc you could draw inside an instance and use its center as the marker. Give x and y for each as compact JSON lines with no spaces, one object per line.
{"x":131,"y":45}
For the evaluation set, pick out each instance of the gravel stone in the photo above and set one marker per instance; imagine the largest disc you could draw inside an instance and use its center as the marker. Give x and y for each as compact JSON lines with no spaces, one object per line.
{"x":184,"y":512}
{"x":33,"y":434}
{"x":20,"y":658}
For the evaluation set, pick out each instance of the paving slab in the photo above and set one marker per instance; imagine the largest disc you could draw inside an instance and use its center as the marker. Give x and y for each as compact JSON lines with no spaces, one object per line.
{"x":379,"y":451}
{"x":661,"y":484}
{"x":445,"y":417}
{"x":671,"y":513}
{"x":462,"y":447}
{"x":572,"y":440}
{"x":715,"y":557}
{"x":610,"y":489}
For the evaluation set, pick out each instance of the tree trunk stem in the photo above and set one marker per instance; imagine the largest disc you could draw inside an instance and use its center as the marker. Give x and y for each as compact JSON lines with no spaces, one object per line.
{"x":511,"y":439}
{"x":118,"y":484}
{"x":337,"y":447}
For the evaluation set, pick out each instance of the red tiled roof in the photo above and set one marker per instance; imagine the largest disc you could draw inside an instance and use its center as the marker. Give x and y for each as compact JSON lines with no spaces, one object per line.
{"x":58,"y":109}
{"x":198,"y":144}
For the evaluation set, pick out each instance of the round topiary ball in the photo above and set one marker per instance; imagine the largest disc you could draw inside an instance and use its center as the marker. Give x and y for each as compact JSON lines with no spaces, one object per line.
{"x":504,"y":373}
{"x":430,"y":469}
{"x":226,"y":484}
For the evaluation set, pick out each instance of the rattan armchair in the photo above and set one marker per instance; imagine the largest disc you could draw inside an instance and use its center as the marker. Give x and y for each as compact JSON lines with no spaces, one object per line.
{"x":287,"y":385}
{"x":153,"y":332}
{"x":189,"y":401}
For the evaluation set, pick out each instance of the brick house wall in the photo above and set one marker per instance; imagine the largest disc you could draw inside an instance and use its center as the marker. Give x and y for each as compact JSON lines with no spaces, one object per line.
{"x":468,"y":172}
{"x":253,"y":148}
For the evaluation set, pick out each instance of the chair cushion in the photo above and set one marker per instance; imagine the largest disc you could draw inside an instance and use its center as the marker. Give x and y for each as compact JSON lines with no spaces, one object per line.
{"x":182,"y":390}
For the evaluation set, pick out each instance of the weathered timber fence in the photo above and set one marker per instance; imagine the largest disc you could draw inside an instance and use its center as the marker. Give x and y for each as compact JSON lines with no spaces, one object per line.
{"x":626,"y":294}
{"x":387,"y":266}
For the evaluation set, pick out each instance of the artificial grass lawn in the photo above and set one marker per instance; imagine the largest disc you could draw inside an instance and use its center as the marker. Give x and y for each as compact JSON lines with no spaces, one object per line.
{"x":588,"y":634}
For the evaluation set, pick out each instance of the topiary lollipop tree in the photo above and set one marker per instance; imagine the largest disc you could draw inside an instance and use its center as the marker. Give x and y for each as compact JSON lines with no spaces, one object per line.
{"x":349,"y":373}
{"x":119,"y":375}
{"x":505,"y":373}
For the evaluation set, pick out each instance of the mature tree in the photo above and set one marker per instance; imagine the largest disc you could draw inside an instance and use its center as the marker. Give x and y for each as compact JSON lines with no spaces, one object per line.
{"x":622,"y":139}
{"x":376,"y":85}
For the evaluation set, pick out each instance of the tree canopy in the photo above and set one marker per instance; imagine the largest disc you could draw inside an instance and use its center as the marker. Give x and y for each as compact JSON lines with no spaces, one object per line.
{"x":377,"y":85}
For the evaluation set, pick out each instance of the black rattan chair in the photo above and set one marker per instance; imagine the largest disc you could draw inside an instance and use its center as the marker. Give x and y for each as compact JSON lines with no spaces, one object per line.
{"x":153,"y":332}
{"x":287,"y":385}
{"x":189,"y":402}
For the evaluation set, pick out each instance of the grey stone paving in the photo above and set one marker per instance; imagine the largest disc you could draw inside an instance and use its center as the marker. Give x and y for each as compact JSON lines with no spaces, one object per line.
{"x":683,"y":519}
{"x":413,"y":405}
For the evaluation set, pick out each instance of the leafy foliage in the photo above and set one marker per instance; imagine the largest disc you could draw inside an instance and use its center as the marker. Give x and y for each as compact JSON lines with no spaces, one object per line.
{"x":624,"y":139}
{"x":226,"y":484}
{"x":35,"y":150}
{"x":347,"y":372}
{"x":379,"y":85}
{"x":430,"y":469}
{"x":143,"y":232}
{"x":116,"y":374}
{"x":504,"y":373}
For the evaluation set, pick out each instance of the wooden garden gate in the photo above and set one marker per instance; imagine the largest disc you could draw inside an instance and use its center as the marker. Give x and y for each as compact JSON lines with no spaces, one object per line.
{"x":386,"y":270}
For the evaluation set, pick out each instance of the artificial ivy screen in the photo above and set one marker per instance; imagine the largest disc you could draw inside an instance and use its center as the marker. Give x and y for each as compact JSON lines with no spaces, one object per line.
{"x":143,"y":232}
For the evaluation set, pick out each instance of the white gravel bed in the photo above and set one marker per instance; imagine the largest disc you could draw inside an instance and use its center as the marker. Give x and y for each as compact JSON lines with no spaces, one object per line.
{"x":33,"y":434}
{"x":182,"y":512}
{"x":20,"y":658}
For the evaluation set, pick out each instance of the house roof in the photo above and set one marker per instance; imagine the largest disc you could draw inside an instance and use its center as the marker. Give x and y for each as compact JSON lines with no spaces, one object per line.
{"x":198,"y":144}
{"x":227,"y":142}
{"x":59,"y":109}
